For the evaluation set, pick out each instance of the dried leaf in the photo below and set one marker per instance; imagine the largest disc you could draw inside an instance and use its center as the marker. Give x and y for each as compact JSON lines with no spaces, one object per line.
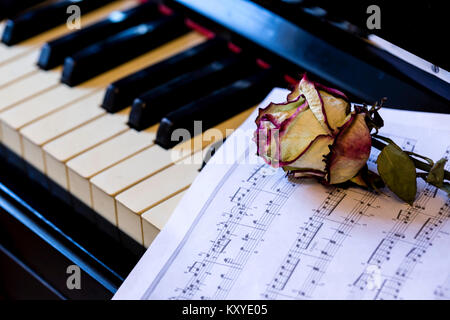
{"x":436,"y":175}
{"x":398,"y":172}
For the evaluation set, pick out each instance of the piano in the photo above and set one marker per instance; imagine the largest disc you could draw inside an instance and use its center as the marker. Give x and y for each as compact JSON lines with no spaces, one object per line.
{"x":89,"y":171}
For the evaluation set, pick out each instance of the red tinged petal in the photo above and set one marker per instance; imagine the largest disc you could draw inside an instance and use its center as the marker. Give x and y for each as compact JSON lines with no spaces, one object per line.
{"x":314,"y":156}
{"x":332,"y":91}
{"x":271,"y":123}
{"x":315,"y":101}
{"x":350,"y":151}
{"x":278,"y":112}
{"x":298,"y":135}
{"x":336,"y":110}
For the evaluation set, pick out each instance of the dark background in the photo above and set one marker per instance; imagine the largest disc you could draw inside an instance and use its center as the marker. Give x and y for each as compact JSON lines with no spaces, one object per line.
{"x":421,"y":27}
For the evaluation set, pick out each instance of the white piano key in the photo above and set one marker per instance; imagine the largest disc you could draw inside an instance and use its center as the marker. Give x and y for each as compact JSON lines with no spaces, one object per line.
{"x":154,"y":219}
{"x":26,"y":88}
{"x":57,"y":123}
{"x":129,"y":172}
{"x":8,"y":54}
{"x":35,"y":135}
{"x":94,"y":161}
{"x":18,"y":68}
{"x":124,"y":175}
{"x":150,"y":192}
{"x":41,"y":105}
{"x":11,"y":139}
{"x":33,"y":154}
{"x":60,"y":150}
{"x":32,"y":109}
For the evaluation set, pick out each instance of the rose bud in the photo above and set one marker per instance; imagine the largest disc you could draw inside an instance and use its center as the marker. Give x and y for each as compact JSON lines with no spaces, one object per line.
{"x":314,"y":134}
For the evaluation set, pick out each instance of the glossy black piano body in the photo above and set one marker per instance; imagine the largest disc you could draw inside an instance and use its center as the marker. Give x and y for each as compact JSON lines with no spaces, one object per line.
{"x":42,"y":235}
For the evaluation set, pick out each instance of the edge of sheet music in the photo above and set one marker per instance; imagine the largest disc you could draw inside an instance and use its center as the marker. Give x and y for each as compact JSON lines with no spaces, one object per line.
{"x":382,"y":265}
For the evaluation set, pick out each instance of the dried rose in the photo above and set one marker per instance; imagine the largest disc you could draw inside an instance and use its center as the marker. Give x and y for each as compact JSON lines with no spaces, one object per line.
{"x":314,"y":134}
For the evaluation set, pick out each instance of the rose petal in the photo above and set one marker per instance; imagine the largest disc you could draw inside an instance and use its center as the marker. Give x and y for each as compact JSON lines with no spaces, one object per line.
{"x":350,"y":150}
{"x":271,"y":122}
{"x":298,"y":134}
{"x":314,"y":157}
{"x":336,"y":110}
{"x":278,"y":112}
{"x":332,"y":91}
{"x":315,"y":102}
{"x":262,"y":138}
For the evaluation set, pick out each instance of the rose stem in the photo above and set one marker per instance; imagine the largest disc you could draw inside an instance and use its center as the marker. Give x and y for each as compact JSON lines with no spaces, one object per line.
{"x":419,"y":164}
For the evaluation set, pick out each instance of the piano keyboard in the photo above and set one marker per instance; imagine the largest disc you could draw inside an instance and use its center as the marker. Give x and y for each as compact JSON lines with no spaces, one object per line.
{"x":55,"y":117}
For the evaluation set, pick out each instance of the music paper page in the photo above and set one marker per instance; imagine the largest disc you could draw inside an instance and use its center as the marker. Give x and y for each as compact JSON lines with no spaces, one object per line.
{"x":246,"y":231}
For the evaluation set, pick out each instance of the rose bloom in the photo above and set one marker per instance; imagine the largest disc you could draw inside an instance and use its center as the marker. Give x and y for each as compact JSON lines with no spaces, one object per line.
{"x":314,"y":134}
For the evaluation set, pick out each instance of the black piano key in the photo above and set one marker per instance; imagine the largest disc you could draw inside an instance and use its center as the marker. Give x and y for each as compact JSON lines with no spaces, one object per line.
{"x":54,"y":52}
{"x":150,"y":107}
{"x":216,"y":107}
{"x":10,"y":8}
{"x":44,"y":18}
{"x":121,"y":93}
{"x":120,"y":48}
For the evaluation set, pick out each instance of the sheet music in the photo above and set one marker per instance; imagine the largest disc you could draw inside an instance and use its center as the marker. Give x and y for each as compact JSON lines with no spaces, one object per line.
{"x":245,"y":231}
